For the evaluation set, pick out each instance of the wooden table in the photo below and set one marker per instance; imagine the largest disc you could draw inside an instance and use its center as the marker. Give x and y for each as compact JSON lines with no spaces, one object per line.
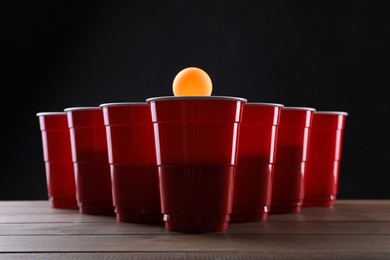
{"x":352,"y":229}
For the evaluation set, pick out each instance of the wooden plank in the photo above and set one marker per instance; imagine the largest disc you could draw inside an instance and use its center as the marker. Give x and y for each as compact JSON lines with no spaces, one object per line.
{"x":308,"y":228}
{"x":350,"y":230}
{"x":29,"y":206}
{"x":201,"y":242}
{"x":368,"y":202}
{"x":55,"y":218}
{"x":199,"y":255}
{"x":293,"y":218}
{"x":28,"y":229}
{"x":344,"y":211}
{"x":259,"y":228}
{"x":335,"y":216}
{"x":40,"y":207}
{"x":325,"y":216}
{"x":42,"y":212}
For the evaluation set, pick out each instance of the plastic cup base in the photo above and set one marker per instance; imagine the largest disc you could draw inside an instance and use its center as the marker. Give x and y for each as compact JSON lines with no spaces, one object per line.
{"x":139,"y":216}
{"x":284,"y":209}
{"x":97,"y":211}
{"x":96,"y":208}
{"x":249,"y":215}
{"x":318,"y":203}
{"x":196,"y":224}
{"x":63,"y":203}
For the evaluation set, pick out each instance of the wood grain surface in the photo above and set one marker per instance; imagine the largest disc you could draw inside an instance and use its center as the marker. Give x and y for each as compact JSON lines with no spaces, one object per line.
{"x":353,"y":229}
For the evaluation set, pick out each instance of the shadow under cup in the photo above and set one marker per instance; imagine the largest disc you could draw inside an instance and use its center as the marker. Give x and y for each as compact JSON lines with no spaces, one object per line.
{"x":255,"y":163}
{"x":132,"y":158}
{"x":196,"y":148}
{"x":90,"y":157}
{"x":57,"y":155}
{"x":324,"y":156}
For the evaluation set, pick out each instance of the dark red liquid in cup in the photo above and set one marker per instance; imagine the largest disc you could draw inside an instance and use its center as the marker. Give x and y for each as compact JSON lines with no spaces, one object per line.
{"x":255,"y":163}
{"x":196,"y":147}
{"x":132,"y":156}
{"x":291,"y":155}
{"x":90,"y":157}
{"x":324,"y":156}
{"x":197,"y":198}
{"x":58,"y":160}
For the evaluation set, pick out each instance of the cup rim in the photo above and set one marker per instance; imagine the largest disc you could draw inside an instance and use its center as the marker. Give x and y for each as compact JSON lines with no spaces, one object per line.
{"x":332,"y":113}
{"x":112,"y":104}
{"x":50,"y":113}
{"x":264,"y":104}
{"x":300,"y":108}
{"x":81,"y":108}
{"x":162,"y":98}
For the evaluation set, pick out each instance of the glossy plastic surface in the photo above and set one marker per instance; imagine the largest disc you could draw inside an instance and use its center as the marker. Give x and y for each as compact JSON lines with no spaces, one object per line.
{"x":90,"y":157}
{"x":196,"y":148}
{"x":57,"y":155}
{"x":132,"y":156}
{"x":256,"y":156}
{"x":196,"y":198}
{"x":291,"y":155}
{"x":324,"y":156}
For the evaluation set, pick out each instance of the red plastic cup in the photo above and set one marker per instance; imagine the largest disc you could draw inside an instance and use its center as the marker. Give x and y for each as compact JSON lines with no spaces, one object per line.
{"x":324,"y":156}
{"x":132,"y":157}
{"x":256,"y":156}
{"x":90,"y":158}
{"x":196,"y":146}
{"x":291,"y":154}
{"x":57,"y":156}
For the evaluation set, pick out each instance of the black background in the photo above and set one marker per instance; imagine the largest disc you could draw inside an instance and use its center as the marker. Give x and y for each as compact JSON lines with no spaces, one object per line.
{"x":330,"y":56}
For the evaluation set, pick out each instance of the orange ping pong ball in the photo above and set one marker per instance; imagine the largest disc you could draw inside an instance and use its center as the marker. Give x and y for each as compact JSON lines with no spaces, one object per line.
{"x":192,"y":81}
